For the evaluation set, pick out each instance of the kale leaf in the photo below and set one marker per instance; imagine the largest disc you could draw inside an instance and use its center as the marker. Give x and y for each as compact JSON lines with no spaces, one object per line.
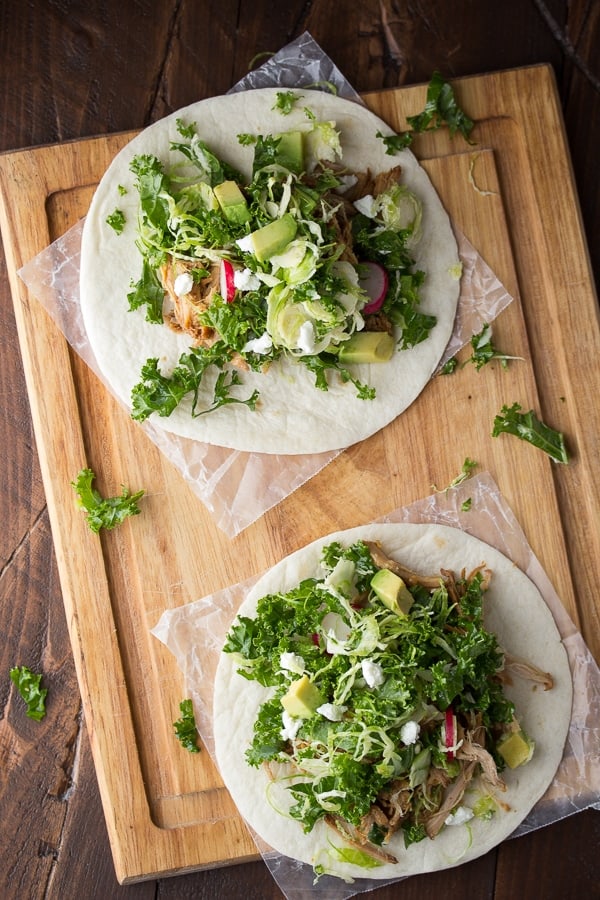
{"x":528,"y":427}
{"x":104,"y":512}
{"x":28,"y":685}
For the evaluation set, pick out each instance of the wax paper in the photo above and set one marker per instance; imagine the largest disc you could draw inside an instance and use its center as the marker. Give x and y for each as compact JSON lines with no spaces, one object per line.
{"x":238,"y":487}
{"x":195,"y":634}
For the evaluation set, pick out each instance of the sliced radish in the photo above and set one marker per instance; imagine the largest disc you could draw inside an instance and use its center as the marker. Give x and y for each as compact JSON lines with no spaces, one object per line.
{"x":450,"y":732}
{"x":373,"y":279}
{"x":227,"y":281}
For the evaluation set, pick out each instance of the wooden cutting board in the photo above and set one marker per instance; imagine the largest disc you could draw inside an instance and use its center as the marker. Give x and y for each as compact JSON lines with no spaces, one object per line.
{"x":512,"y":195}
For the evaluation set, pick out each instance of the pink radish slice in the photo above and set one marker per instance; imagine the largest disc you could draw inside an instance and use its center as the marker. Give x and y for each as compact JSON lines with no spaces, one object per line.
{"x":373,"y":279}
{"x":449,"y":732}
{"x":227,"y":282}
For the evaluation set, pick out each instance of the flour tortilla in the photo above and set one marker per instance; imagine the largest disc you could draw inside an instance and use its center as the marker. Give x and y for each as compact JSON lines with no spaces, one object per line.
{"x":514,"y":610}
{"x":294,"y":417}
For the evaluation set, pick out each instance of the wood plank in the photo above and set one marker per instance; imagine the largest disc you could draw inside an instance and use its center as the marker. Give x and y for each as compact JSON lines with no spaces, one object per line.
{"x":116,"y":586}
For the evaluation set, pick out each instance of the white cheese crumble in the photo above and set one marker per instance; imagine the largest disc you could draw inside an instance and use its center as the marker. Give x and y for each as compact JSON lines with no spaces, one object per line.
{"x":292,"y":662}
{"x":346,"y":182}
{"x":366,"y":205}
{"x":306,"y":338}
{"x":183,"y":284}
{"x":410,"y":732}
{"x":245,"y":280}
{"x":372,"y":673}
{"x":245,"y":244}
{"x":259,"y":345}
{"x":332,"y":712}
{"x":460,"y":815}
{"x":291,"y":726}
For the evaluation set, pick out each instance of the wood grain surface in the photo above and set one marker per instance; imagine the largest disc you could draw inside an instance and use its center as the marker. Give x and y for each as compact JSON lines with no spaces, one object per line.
{"x":60,"y":846}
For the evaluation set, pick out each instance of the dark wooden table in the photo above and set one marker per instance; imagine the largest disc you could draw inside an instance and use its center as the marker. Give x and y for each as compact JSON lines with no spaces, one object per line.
{"x":70,"y":69}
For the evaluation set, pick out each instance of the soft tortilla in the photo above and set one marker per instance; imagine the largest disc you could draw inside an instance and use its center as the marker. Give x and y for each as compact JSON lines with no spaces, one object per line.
{"x":520,"y":618}
{"x":294,"y":417}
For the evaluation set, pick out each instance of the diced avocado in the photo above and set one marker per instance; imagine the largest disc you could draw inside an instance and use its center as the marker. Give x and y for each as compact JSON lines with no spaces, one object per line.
{"x":290,"y":151}
{"x":516,"y":749}
{"x":232,"y":202}
{"x":392,"y":591}
{"x":367,"y":347}
{"x":274,"y":237}
{"x":302,"y":698}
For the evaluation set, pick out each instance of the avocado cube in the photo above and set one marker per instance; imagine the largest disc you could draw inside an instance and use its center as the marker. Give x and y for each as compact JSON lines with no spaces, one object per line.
{"x":516,"y":749}
{"x":367,"y":347}
{"x":232,"y":202}
{"x":290,"y":151}
{"x":302,"y":698}
{"x":274,"y":237}
{"x":392,"y":591}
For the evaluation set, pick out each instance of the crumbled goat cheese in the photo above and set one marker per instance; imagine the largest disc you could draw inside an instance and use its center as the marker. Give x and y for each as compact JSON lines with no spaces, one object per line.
{"x":259,"y":345}
{"x":245,"y":280}
{"x":291,"y":726}
{"x":372,"y":673}
{"x":460,"y":815}
{"x":332,"y":712}
{"x":410,"y":732}
{"x":183,"y":284}
{"x":306,"y":338}
{"x":245,"y":244}
{"x":366,"y":205}
{"x":292,"y":662}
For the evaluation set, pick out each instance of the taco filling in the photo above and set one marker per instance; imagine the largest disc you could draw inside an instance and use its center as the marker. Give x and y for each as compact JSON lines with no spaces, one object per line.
{"x":307,"y":260}
{"x":385,"y":715}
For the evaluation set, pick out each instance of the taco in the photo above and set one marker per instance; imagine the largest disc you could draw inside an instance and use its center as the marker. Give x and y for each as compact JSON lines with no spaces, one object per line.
{"x":246,"y":264}
{"x":391,"y":700}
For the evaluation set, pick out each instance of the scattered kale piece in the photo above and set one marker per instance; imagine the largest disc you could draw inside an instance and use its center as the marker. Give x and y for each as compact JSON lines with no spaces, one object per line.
{"x":185,"y":727}
{"x":116,"y":220}
{"x":104,"y":512}
{"x":28,"y":685}
{"x":527,"y":427}
{"x":441,"y":108}
{"x":284,"y":102}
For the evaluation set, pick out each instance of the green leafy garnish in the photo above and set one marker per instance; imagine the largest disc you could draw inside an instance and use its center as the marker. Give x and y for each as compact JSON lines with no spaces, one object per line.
{"x":394,"y":143}
{"x":413,"y":834}
{"x":528,"y":427}
{"x":104,"y":512}
{"x":162,"y":393}
{"x":466,"y":469}
{"x":284,"y":102}
{"x":148,"y":292}
{"x":185,"y":727}
{"x":116,"y":220}
{"x":449,"y":366}
{"x":186,"y":131}
{"x":28,"y":685}
{"x":440,"y":108}
{"x":122,"y":189}
{"x":484,"y":350}
{"x":466,"y":504}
